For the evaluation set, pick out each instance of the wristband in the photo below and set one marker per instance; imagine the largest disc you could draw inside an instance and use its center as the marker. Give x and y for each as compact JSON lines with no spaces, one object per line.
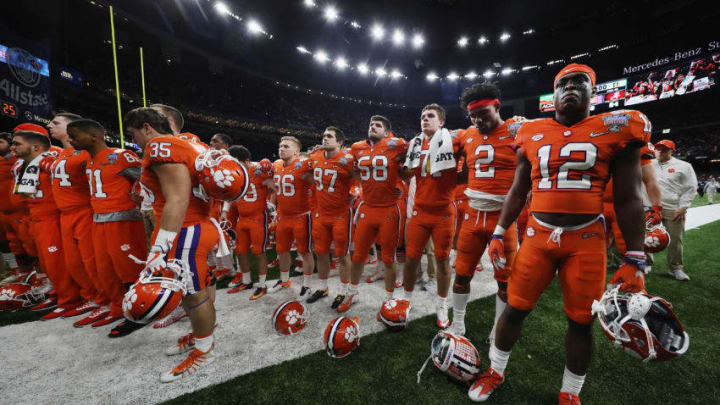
{"x":499,"y":230}
{"x":636,"y":258}
{"x":164,"y":240}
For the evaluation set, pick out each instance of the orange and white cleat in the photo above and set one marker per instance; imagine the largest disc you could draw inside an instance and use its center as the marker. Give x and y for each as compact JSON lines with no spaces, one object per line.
{"x":194,"y":361}
{"x":236,"y":281}
{"x":184,"y":344}
{"x":379,"y":274}
{"x":481,"y":389}
{"x":94,"y":316}
{"x":349,"y":300}
{"x":566,"y":398}
{"x":442,"y":321}
{"x":240,"y":287}
{"x":280,"y":285}
{"x":86,"y":306}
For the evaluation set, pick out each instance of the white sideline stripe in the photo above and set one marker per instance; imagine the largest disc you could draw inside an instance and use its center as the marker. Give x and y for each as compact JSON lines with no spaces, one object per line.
{"x":51,"y":362}
{"x":699,"y":216}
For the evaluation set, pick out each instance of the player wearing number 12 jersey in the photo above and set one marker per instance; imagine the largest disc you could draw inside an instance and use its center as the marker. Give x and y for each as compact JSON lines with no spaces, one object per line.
{"x":378,"y":218}
{"x":567,"y":161}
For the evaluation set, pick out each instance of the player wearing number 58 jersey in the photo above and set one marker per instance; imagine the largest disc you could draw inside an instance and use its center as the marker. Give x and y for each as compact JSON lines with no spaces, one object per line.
{"x":378,"y":217}
{"x":118,"y":229}
{"x":567,"y":161}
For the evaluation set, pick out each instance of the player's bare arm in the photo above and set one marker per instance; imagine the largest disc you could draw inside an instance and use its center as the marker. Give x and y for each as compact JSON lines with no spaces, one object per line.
{"x":174,"y":180}
{"x":628,"y":203}
{"x":517,"y":196}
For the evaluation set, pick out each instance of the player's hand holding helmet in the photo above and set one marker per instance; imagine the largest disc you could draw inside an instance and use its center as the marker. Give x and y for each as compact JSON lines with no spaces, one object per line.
{"x":156,"y":295}
{"x":630,"y":277}
{"x":656,"y":238}
{"x":654,"y":215}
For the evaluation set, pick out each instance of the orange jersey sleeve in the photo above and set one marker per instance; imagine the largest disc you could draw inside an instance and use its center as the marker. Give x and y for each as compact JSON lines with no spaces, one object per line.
{"x":109,"y":188}
{"x":378,"y":168}
{"x":170,"y":149}
{"x":69,"y":183}
{"x":490,"y":158}
{"x":647,"y":154}
{"x":254,"y":201}
{"x":333,"y":179}
{"x":435,"y":191}
{"x":571,"y":165}
{"x":293,"y":192}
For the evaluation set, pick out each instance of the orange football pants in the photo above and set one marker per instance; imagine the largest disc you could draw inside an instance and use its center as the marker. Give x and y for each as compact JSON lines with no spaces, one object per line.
{"x":9,"y":222}
{"x":475,"y":233}
{"x":113,"y":242}
{"x":426,"y":223}
{"x":193,"y":245}
{"x":294,"y":227}
{"x":252,"y":234}
{"x":578,"y":255}
{"x":77,"y":241}
{"x":50,"y":254}
{"x":337,"y":229}
{"x":381,"y":224}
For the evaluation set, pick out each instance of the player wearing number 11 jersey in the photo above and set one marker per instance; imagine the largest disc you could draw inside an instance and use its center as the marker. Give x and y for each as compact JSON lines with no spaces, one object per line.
{"x":567,"y":161}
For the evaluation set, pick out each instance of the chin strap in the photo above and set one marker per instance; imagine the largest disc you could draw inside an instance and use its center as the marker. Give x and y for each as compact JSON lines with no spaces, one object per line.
{"x":419,"y":373}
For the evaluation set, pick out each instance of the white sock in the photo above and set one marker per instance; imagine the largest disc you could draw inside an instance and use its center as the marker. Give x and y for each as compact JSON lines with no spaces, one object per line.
{"x":572,"y":383}
{"x":498,"y":359}
{"x":246,"y":278}
{"x":441,"y":301}
{"x":205,"y":343}
{"x":353,"y":289}
{"x":261,"y":280}
{"x":344,"y":288}
{"x":499,"y":308}
{"x":306,"y":280}
{"x":459,"y":305}
{"x":10,"y":260}
{"x":284,"y":276}
{"x":408,"y":295}
{"x":323,"y":284}
{"x":388,"y":295}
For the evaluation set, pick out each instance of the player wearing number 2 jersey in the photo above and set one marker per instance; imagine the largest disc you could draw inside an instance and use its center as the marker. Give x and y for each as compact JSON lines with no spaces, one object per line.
{"x":118,"y":229}
{"x":567,"y":161}
{"x":490,"y":159}
{"x":378,"y":218}
{"x":292,"y":182}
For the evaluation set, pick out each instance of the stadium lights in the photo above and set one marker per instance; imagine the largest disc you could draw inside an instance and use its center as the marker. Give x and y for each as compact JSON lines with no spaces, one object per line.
{"x":417,"y":41}
{"x":507,"y":71}
{"x":395,"y":74}
{"x":302,"y":49}
{"x":222,"y":8}
{"x":488,"y":74}
{"x":453,"y":76}
{"x":254,"y":27}
{"x":471,"y":75}
{"x":355,"y":24}
{"x":504,"y":37}
{"x":552,"y":62}
{"x":529,"y":31}
{"x":432,"y":76}
{"x":483,"y":40}
{"x":525,"y":68}
{"x":331,"y":13}
{"x":398,"y":37}
{"x":309,"y":3}
{"x":580,"y":55}
{"x":377,"y":32}
{"x":607,"y":48}
{"x":341,"y":63}
{"x":363,"y":69}
{"x":462,"y":42}
{"x":321,"y":56}
{"x":380,"y":72}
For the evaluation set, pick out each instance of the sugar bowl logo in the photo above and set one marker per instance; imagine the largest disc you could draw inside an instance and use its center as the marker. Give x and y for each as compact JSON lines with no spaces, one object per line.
{"x":25,"y":67}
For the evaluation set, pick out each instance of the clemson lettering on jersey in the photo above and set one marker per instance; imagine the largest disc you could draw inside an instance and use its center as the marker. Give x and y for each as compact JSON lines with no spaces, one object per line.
{"x":571,"y":165}
{"x":293,"y":192}
{"x":171,"y":149}
{"x":254,"y":201}
{"x":69,"y":184}
{"x":333,"y":179}
{"x":378,"y":167}
{"x":109,"y":188}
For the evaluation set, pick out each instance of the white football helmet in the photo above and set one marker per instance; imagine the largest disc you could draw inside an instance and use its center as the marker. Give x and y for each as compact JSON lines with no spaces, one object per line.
{"x":454,"y":355}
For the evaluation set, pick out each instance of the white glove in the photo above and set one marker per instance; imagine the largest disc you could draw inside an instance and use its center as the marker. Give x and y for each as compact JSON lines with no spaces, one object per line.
{"x":156,"y":257}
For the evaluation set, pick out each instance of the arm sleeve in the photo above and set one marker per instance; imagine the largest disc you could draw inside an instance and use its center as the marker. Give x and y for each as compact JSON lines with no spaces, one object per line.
{"x":689,"y":187}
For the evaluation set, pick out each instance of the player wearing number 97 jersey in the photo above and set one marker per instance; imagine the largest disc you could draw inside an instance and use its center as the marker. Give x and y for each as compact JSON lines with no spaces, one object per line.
{"x":567,"y":161}
{"x":117,"y":224}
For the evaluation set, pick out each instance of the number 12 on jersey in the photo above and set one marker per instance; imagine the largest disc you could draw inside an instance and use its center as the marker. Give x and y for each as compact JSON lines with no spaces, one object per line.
{"x":563,"y":181}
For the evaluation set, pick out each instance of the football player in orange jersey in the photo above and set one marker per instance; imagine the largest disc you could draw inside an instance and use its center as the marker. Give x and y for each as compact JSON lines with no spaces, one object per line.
{"x":489,"y":155}
{"x":184,"y":230}
{"x":72,"y":196}
{"x":223,"y":266}
{"x":292,"y":185}
{"x":433,"y":210}
{"x":567,"y":160}
{"x":10,"y":213}
{"x":378,"y":218}
{"x":117,"y":223}
{"x":32,"y":180}
{"x":252,"y":233}
{"x":332,"y":171}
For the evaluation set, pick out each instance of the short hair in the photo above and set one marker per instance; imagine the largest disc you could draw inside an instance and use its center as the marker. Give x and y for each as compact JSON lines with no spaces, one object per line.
{"x":293,"y":140}
{"x":35,"y":138}
{"x":384,"y":120}
{"x":70,"y":117}
{"x":225,"y":138}
{"x":437,"y":108}
{"x":478,"y":91}
{"x":141,"y":115}
{"x":240,"y":152}
{"x":172,"y":113}
{"x":86,"y":125}
{"x":6,"y":136}
{"x":339,"y":134}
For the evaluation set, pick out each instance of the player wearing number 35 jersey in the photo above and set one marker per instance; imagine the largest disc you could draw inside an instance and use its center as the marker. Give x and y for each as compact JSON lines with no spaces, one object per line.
{"x":567,"y":161}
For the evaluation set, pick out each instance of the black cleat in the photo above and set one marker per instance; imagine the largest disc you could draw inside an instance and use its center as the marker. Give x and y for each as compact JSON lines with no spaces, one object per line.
{"x":317,"y":295}
{"x":337,"y":301}
{"x":304,"y":290}
{"x":124,"y":328}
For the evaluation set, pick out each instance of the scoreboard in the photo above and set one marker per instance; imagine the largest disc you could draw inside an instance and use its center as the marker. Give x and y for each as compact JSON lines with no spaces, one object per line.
{"x":609,"y":95}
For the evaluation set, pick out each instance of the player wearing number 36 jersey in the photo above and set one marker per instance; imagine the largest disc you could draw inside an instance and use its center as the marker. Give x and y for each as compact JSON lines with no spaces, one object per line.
{"x":567,"y":161}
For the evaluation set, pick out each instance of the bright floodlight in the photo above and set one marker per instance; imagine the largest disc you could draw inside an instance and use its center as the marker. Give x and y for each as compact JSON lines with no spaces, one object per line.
{"x":471,"y":75}
{"x":395,"y":74}
{"x":302,"y":49}
{"x":254,"y":27}
{"x":341,"y":63}
{"x":507,"y":71}
{"x":321,"y":56}
{"x":380,"y":72}
{"x":363,"y":69}
{"x":398,"y":38}
{"x":488,"y":73}
{"x":355,"y":24}
{"x":418,"y":41}
{"x":483,"y":40}
{"x":462,"y":42}
{"x":504,"y":37}
{"x":222,"y":8}
{"x":377,"y":32}
{"x":309,"y":3}
{"x":432,"y":76}
{"x":453,"y":76}
{"x":331,"y":13}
